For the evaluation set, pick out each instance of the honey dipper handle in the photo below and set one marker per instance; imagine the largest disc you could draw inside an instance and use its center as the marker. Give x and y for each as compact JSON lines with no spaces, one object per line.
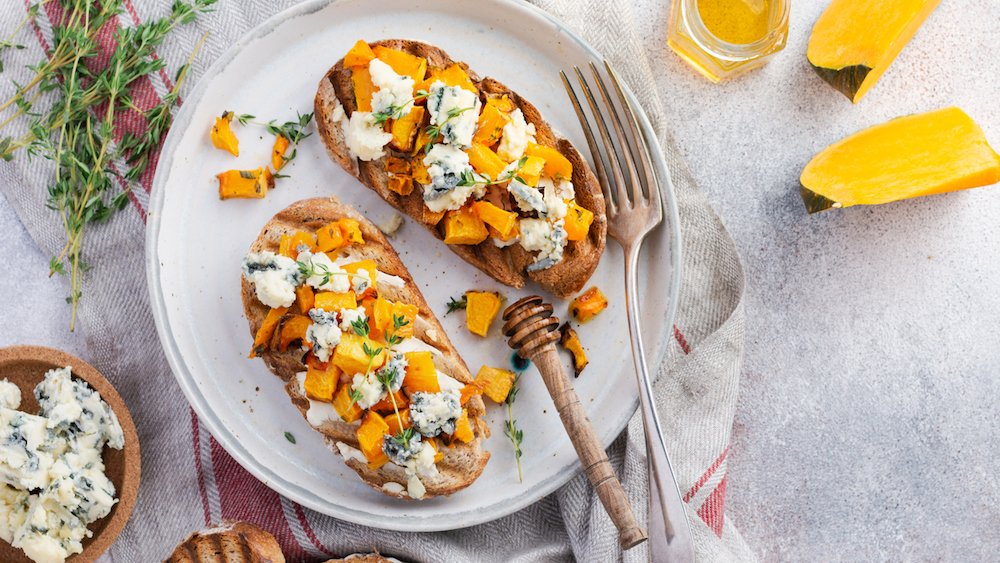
{"x":588,"y":446}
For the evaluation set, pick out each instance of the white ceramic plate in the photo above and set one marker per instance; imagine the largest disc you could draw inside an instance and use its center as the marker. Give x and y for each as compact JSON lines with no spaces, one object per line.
{"x":195,"y":244}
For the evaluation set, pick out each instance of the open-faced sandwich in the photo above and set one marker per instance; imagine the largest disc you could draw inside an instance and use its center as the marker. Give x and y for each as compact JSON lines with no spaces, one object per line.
{"x":335,"y":314}
{"x":466,"y":157}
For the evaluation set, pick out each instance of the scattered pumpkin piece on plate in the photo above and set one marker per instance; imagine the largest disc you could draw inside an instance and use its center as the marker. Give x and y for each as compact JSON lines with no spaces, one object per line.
{"x":223,"y":137}
{"x":590,"y":303}
{"x":570,"y":340}
{"x":480,"y":310}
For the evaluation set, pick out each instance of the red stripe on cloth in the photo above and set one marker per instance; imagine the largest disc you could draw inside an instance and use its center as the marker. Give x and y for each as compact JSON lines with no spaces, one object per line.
{"x":681,"y":341}
{"x":301,"y":515}
{"x":701,"y":480}
{"x":243,"y":497}
{"x":162,"y":73}
{"x":38,"y":30}
{"x":196,"y":443}
{"x":713,"y":511}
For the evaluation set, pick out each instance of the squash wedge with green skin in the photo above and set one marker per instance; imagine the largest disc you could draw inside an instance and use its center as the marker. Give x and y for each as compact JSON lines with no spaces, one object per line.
{"x":928,"y":153}
{"x":855,"y":41}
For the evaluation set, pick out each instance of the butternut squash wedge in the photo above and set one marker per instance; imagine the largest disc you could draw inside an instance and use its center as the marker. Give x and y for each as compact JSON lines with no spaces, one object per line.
{"x":854,"y":42}
{"x":929,"y":153}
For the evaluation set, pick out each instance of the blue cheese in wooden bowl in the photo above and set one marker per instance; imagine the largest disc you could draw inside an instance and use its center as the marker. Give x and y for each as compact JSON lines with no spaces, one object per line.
{"x":52,"y":481}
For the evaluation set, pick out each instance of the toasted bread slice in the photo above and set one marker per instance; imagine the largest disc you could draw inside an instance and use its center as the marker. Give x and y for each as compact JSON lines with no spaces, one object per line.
{"x":463,"y":462}
{"x":507,"y":265}
{"x":228,"y":542}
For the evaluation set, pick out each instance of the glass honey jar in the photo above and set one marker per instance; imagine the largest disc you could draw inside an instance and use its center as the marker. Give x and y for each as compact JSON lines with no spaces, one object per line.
{"x":723,"y":38}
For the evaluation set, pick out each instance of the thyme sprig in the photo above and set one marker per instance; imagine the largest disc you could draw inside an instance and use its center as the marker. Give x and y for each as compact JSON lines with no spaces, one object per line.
{"x":470,"y":178}
{"x":360,"y":328}
{"x":391,"y":112}
{"x":434,"y":131}
{"x":77,"y":131}
{"x":456,"y":304}
{"x":512,"y":431}
{"x":293,"y":131}
{"x":310,"y":269}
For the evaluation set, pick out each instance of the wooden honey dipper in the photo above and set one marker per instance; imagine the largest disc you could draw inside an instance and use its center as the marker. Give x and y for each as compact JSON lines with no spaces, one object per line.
{"x":532,"y":331}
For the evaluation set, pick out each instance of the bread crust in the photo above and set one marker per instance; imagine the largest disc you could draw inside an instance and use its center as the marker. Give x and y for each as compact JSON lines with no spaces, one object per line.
{"x":507,"y":265}
{"x":229,"y":541}
{"x":463,"y":463}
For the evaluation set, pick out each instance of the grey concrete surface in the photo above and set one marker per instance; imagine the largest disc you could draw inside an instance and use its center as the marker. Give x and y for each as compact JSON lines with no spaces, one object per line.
{"x":867,"y":426}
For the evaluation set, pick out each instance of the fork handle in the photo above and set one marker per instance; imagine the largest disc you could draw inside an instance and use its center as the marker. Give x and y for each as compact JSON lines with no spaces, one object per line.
{"x":671,"y":537}
{"x":588,"y":446}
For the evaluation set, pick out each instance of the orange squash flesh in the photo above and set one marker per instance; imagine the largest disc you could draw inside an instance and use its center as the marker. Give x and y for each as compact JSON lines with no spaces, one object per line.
{"x":421,"y":375}
{"x":266,"y":331}
{"x":496,"y":382}
{"x":481,"y":309}
{"x":853,"y":42}
{"x":929,"y":153}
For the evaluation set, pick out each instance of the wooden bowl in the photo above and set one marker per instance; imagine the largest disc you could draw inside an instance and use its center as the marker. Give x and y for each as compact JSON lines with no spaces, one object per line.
{"x":25,"y":366}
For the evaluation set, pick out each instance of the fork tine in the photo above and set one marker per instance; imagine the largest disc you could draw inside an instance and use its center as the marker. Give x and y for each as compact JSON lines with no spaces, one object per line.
{"x":651,"y":186}
{"x":613,"y":156}
{"x":602,"y":176}
{"x":624,"y":190}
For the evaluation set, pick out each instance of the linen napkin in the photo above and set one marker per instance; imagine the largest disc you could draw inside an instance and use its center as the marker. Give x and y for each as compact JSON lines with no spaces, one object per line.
{"x":189,"y":481}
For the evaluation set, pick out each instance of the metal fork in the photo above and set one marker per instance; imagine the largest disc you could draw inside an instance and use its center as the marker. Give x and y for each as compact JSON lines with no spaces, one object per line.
{"x":633,"y":210}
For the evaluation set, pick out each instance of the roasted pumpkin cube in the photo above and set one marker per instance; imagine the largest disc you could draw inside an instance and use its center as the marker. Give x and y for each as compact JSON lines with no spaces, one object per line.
{"x":491,"y":122}
{"x":350,"y":354}
{"x":408,"y":315}
{"x":371,"y":433}
{"x":360,"y":55}
{"x":368,"y":267}
{"x":480,"y":310}
{"x":247,"y":184}
{"x":404,"y":64}
{"x":347,"y":409}
{"x":266,"y":331}
{"x":463,"y":430}
{"x":470,"y":390}
{"x":332,"y":302}
{"x":516,"y":232}
{"x":423,"y":139}
{"x":557,"y":166}
{"x":223,"y":137}
{"x":320,"y":385}
{"x":570,"y":340}
{"x":402,"y":185}
{"x":455,"y":75}
{"x":462,"y":226}
{"x":505,"y":222}
{"x":369,"y":305}
{"x":398,"y":423}
{"x":398,"y":165}
{"x":438,"y":454}
{"x":285,"y":247}
{"x":578,"y":221}
{"x":292,"y":328}
{"x":305,"y":297}
{"x":588,"y":304}
{"x":278,"y":152}
{"x":421,"y":375}
{"x":330,"y":237}
{"x":497,"y":382}
{"x":432,"y":217}
{"x":351,"y":230}
{"x":298,"y":240}
{"x":383,"y":314}
{"x":361,"y":81}
{"x":485,"y":161}
{"x":531,"y":170}
{"x":404,"y":129}
{"x":385,"y":405}
{"x":420,"y":173}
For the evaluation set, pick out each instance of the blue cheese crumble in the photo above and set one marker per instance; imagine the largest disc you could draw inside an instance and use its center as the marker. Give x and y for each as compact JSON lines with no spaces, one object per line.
{"x":547,"y":238}
{"x":365,"y":137}
{"x":434,"y":413}
{"x":527,"y":198}
{"x":370,"y":388}
{"x":396,"y":364}
{"x":456,"y":111}
{"x":445,"y":166}
{"x":274,"y":278}
{"x":394,"y":92}
{"x":516,"y":136}
{"x":51,"y":466}
{"x":324,"y":274}
{"x":324,"y":334}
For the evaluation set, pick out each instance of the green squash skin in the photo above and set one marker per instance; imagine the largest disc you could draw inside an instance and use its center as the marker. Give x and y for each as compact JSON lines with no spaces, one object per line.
{"x":814,"y":201}
{"x":846,"y":80}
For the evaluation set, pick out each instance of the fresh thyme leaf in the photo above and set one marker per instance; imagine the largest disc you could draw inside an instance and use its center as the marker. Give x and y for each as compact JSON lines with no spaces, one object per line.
{"x":454,"y":305}
{"x":511,"y":431}
{"x":434,"y":131}
{"x":289,"y":437}
{"x":77,"y":132}
{"x":355,"y":395}
{"x":360,"y":327}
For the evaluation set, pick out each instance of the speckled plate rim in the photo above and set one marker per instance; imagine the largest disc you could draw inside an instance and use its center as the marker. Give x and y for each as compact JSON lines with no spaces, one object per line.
{"x":129,"y":490}
{"x":218,"y":428}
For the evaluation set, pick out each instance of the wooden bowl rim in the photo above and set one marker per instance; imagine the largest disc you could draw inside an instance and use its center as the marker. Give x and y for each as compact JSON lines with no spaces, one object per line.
{"x":128,"y":489}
